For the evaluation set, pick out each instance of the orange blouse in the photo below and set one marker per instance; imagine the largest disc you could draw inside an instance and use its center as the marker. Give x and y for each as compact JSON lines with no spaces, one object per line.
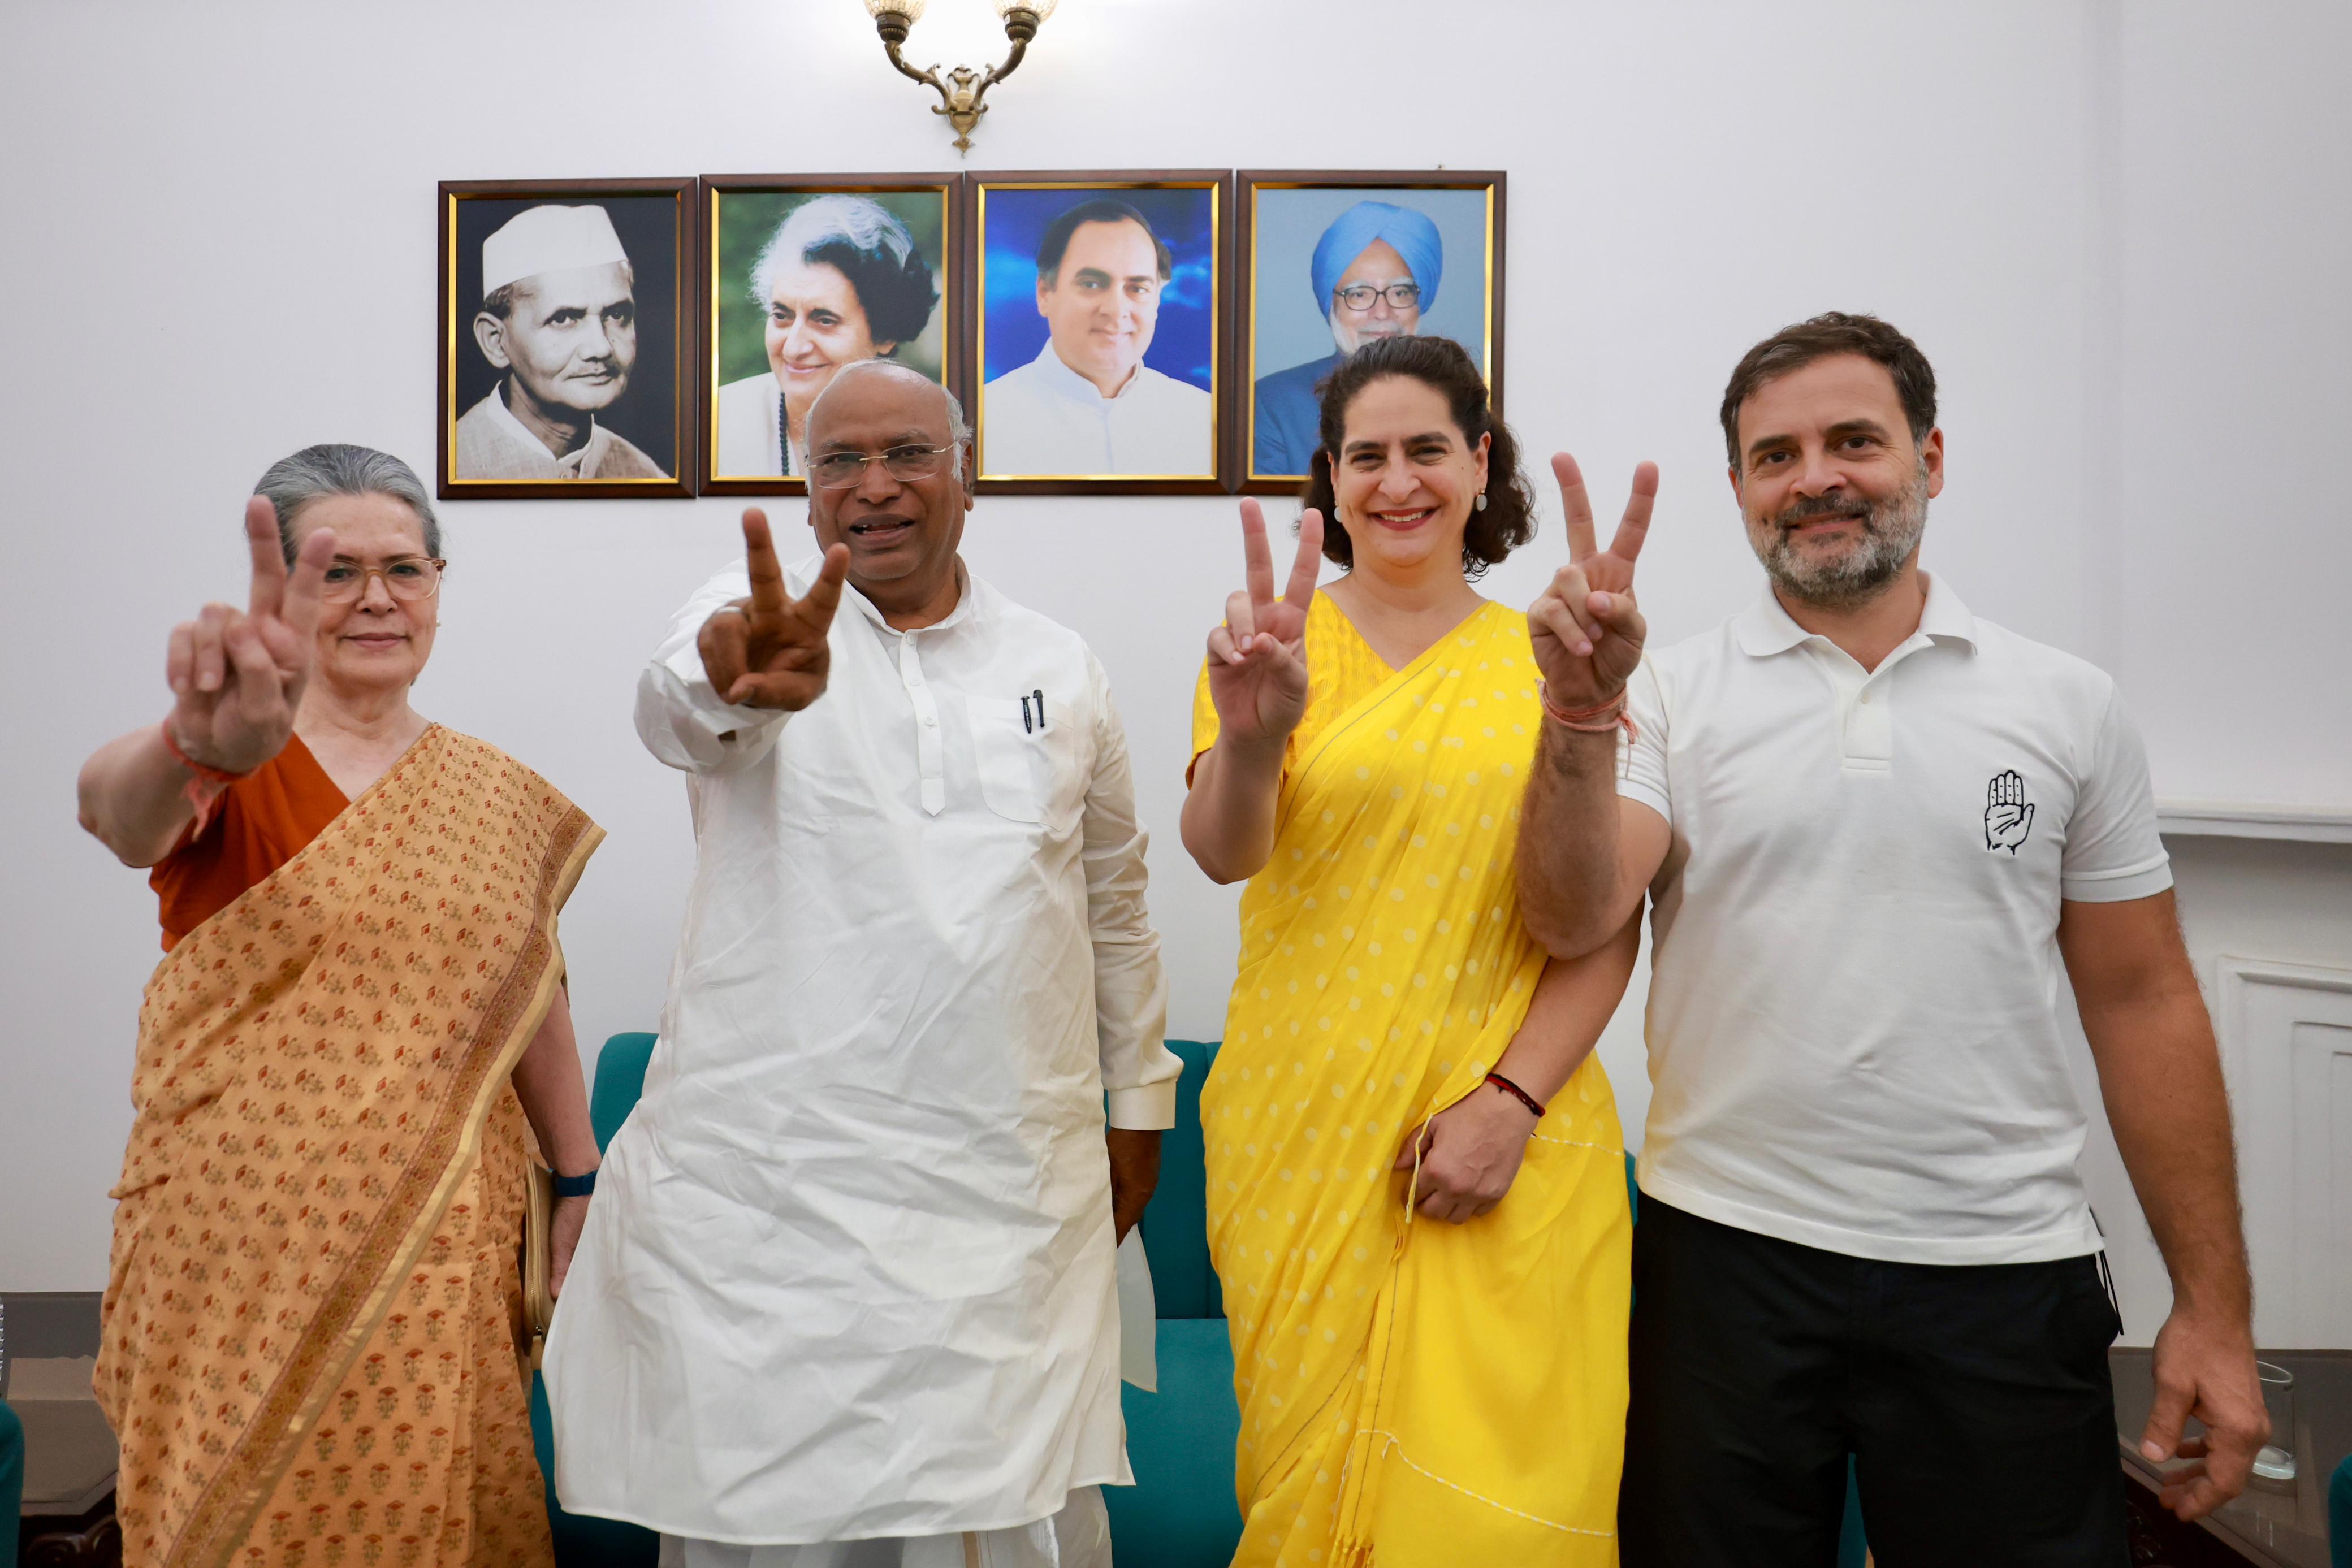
{"x":258,"y":824}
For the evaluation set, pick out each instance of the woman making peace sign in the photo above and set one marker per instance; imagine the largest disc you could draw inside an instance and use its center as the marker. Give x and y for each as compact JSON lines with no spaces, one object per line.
{"x":308,"y":1349}
{"x":1417,"y":1183}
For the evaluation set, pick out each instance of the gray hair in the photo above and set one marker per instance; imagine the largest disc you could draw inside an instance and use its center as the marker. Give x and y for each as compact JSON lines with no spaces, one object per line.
{"x":958,"y":431}
{"x":863,"y":224}
{"x":337,"y":468}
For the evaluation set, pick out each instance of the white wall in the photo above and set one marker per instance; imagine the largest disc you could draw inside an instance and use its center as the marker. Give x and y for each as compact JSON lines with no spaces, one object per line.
{"x":2240,"y":898}
{"x":220,"y":247}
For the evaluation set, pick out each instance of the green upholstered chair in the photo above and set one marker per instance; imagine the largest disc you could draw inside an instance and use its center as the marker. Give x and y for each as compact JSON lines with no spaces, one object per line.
{"x":12,"y":1483}
{"x":2340,"y":1515}
{"x":582,"y":1542}
{"x":1181,"y":1512}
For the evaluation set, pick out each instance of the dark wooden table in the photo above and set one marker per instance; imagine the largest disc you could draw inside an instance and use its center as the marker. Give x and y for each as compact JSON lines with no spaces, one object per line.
{"x":2272,"y":1525}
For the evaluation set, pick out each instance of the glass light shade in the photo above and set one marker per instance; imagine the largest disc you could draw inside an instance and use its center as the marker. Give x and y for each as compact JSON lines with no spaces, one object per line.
{"x":1040,"y":8}
{"x":910,"y":9}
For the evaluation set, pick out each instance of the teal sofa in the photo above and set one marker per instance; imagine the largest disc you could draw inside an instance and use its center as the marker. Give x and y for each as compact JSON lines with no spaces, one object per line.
{"x":12,"y":1483}
{"x":582,"y":1542}
{"x":1181,"y":1512}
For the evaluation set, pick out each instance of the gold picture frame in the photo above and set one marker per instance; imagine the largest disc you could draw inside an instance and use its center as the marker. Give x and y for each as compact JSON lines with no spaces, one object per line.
{"x":634,"y":440}
{"x":744,"y":439}
{"x":1031,"y":407}
{"x":1275,"y":210}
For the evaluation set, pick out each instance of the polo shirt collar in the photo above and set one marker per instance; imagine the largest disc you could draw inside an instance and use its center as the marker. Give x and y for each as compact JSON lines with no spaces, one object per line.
{"x":1766,"y":627}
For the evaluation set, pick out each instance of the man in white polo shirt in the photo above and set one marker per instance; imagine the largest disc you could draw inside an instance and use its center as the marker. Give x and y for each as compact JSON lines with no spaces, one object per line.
{"x":1871,"y":825}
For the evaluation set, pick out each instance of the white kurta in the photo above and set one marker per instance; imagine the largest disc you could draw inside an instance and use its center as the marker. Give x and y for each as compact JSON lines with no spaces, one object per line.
{"x":1043,"y":418}
{"x":848,"y":1273}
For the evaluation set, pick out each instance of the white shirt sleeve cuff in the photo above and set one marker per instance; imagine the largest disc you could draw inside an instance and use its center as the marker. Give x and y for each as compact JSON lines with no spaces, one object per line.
{"x":1147,"y":1108}
{"x":2144,"y":881}
{"x":711,"y":714}
{"x":1634,"y":790}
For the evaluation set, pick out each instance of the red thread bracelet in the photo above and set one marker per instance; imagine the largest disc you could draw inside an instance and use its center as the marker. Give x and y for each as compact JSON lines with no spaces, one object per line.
{"x":205,"y":771}
{"x":1516,"y":1093}
{"x":1612,"y":714}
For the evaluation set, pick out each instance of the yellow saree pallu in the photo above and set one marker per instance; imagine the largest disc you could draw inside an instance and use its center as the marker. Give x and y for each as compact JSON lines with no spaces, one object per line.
{"x":310,"y":1323}
{"x":1413,"y":1393}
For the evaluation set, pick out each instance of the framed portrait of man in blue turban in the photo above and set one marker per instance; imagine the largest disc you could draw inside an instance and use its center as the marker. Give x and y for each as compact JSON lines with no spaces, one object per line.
{"x":1328,"y":261}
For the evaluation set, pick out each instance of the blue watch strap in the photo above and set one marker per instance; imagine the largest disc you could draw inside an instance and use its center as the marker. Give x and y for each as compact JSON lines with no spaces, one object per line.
{"x":575,"y":1187}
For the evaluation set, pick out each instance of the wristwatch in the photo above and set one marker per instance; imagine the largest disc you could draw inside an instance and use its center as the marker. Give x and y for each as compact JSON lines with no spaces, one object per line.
{"x":575,"y":1187}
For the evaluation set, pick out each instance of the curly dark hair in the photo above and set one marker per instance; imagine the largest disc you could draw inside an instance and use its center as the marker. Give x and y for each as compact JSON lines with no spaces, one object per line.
{"x":1833,"y":332}
{"x":1442,"y":364}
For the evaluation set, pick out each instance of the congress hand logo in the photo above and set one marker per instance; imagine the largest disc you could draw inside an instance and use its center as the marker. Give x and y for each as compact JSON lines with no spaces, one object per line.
{"x":2008,"y":816}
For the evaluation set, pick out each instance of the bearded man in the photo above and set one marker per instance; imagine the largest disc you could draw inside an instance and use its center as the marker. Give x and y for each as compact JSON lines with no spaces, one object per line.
{"x":1871,"y":825}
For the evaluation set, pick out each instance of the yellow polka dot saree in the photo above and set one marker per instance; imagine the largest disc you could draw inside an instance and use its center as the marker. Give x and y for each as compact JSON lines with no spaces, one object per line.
{"x":1414,"y":1393}
{"x":309,"y":1350}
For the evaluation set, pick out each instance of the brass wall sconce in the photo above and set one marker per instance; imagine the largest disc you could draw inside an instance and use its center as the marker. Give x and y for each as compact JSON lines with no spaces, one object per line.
{"x":961,"y":94}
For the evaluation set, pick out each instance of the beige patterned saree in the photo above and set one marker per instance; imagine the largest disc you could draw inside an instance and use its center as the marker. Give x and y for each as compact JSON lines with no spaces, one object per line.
{"x":309,"y":1341}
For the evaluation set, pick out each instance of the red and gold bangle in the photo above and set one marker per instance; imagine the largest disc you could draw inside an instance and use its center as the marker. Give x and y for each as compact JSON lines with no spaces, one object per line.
{"x":1610,"y":715}
{"x":1516,"y":1093}
{"x":205,"y":771}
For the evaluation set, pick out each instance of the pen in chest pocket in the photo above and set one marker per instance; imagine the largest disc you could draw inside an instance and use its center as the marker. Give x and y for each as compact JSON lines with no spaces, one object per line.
{"x":1038,"y":726}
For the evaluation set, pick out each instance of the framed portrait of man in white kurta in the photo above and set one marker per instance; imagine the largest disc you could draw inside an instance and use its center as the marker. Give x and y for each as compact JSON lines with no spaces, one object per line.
{"x":1100,"y":335}
{"x":565,"y":338}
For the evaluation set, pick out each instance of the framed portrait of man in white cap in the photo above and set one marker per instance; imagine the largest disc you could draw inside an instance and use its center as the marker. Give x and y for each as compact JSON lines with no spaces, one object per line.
{"x":1330,"y":260}
{"x":565,"y":338}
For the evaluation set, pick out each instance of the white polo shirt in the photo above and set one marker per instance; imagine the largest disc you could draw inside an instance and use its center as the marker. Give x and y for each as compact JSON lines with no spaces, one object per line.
{"x":1852,"y":1020}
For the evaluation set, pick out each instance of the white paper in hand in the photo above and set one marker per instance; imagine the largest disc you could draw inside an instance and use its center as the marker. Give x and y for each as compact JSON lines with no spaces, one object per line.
{"x":1138,"y":1361}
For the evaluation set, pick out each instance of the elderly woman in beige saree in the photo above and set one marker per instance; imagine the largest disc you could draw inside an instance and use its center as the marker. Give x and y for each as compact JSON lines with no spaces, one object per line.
{"x":311,"y":1323}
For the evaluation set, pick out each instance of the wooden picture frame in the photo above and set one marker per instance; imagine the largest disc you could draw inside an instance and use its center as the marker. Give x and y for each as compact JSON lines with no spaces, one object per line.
{"x":1270,"y":311}
{"x":1047,"y":442}
{"x":744,"y":445}
{"x":632,"y":446}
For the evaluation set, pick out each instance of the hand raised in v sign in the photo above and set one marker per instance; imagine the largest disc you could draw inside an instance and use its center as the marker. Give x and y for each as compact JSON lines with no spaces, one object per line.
{"x":1586,"y":628}
{"x":1257,"y":658}
{"x":237,"y":677}
{"x":769,"y":650}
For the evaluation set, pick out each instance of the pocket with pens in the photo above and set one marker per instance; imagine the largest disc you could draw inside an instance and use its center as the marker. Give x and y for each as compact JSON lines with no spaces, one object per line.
{"x":1021,"y":743}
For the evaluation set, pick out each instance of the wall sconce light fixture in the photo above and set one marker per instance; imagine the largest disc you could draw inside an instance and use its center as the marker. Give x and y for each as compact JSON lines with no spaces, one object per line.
{"x":960,"y":94}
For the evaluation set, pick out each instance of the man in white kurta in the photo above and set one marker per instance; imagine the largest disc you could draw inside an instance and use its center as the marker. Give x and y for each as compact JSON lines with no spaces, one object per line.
{"x":1088,"y":405}
{"x":845,"y":1295}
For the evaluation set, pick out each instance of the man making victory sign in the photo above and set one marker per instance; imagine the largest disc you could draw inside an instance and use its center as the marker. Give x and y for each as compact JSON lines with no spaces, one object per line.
{"x":849,"y":1273}
{"x":1862,"y":1231}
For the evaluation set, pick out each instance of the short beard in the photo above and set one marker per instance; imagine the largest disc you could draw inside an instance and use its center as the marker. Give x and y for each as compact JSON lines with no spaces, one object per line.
{"x":1891,"y":532}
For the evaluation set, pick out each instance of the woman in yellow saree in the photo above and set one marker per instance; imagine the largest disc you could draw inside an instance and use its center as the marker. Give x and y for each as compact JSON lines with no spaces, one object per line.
{"x":310,"y":1347}
{"x":1416,"y":1186}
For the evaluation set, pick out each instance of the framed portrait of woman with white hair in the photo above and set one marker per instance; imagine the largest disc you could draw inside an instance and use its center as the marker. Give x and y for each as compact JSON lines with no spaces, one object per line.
{"x":805,"y":274}
{"x":1330,"y":260}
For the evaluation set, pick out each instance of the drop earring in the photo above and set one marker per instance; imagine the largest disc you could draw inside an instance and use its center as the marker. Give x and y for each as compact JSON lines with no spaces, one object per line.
{"x":1480,"y":503}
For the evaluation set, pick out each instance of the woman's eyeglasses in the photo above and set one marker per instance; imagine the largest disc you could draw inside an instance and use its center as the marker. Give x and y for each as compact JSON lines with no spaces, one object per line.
{"x":840,"y":470}
{"x":1363,"y":296}
{"x":409,"y":578}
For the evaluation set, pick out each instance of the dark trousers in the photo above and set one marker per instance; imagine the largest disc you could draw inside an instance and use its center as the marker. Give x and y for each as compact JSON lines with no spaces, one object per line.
{"x":1975,"y":1402}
